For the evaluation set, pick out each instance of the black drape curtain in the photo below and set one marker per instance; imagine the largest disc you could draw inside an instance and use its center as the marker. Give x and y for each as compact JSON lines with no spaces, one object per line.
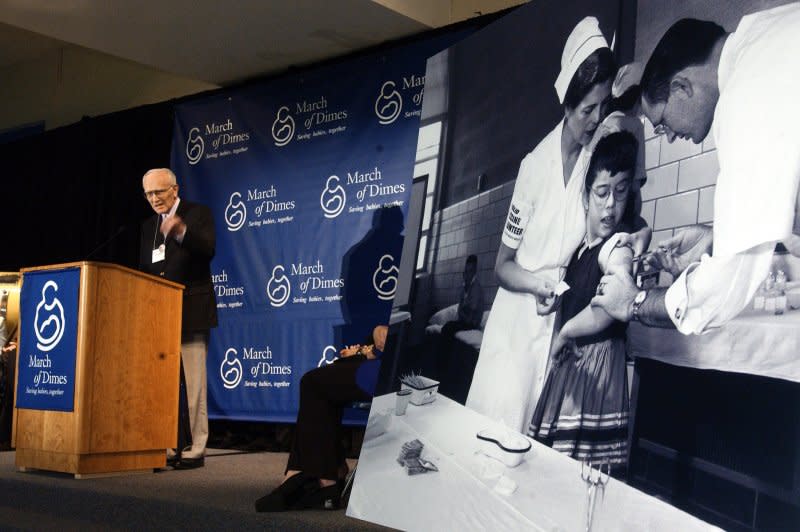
{"x":67,"y":191}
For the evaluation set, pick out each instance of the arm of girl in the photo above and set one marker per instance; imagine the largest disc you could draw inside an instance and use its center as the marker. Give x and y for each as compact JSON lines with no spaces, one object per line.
{"x":592,"y":320}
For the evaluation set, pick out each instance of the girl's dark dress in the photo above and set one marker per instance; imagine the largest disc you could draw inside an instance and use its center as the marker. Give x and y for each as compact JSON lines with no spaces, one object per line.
{"x":583,"y":409}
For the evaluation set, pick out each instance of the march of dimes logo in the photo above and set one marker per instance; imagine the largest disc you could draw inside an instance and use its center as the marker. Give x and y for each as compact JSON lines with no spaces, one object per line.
{"x":231,"y":369}
{"x":230,"y":294}
{"x":278,"y":287}
{"x":333,"y":197}
{"x":307,"y":119}
{"x":311,"y":281}
{"x":369,"y":191}
{"x":222,"y":138}
{"x":329,"y":356}
{"x":389,"y":103}
{"x":235,"y":212}
{"x":254,"y":368}
{"x":267,"y":206}
{"x":49,"y":324}
{"x":384,"y":280}
{"x":283,"y":127}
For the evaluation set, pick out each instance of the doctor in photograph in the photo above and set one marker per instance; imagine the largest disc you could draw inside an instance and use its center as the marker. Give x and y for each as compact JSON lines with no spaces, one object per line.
{"x":743,"y":87}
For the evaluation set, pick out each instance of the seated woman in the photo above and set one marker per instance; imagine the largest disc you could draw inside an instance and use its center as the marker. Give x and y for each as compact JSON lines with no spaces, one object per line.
{"x":583,"y":411}
{"x":317,"y":464}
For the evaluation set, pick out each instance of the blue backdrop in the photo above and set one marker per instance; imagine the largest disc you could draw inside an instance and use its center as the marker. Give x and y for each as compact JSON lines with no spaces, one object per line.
{"x":308,"y":177}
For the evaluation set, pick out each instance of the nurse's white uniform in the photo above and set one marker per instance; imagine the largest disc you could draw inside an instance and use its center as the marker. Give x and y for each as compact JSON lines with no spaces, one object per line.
{"x":545,"y":224}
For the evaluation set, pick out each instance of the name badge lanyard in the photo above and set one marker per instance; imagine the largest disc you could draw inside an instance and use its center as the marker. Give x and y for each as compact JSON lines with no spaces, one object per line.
{"x":159,"y":253}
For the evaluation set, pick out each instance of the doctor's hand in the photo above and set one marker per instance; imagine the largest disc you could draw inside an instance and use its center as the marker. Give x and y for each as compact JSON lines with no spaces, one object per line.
{"x":615,"y":295}
{"x":637,"y":241}
{"x":675,"y":254}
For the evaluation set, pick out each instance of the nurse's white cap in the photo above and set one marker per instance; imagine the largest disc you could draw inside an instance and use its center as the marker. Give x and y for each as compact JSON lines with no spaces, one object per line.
{"x":585,"y":38}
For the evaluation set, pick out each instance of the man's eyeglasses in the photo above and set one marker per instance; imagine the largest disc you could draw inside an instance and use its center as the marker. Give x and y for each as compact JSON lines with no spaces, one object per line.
{"x":148,"y":194}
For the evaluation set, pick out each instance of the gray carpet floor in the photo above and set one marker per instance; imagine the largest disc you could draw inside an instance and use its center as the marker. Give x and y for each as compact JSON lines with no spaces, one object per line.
{"x":219,"y":496}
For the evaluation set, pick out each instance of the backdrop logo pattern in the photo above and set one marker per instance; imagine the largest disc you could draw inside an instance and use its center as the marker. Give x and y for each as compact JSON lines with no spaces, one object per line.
{"x":329,"y":356}
{"x":385,"y":278}
{"x":51,"y":329}
{"x":278,"y":287}
{"x":235,"y":212}
{"x":195,"y":146}
{"x":333,"y":198}
{"x":231,"y":369}
{"x":389,"y":103}
{"x":283,"y":127}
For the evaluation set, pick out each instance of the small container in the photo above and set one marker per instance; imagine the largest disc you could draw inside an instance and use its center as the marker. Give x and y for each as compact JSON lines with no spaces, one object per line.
{"x":507,"y":446}
{"x":423,"y":392}
{"x":403,"y":397}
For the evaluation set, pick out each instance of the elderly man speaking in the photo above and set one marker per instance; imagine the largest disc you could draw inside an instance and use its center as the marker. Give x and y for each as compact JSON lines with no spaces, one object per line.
{"x":746,"y":83}
{"x":178,"y":244}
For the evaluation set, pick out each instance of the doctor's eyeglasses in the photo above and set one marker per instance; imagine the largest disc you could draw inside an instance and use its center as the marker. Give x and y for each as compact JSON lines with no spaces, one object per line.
{"x":149,"y":194}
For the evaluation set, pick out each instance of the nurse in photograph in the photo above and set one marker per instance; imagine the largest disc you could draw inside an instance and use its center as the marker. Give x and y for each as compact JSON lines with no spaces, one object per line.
{"x":545,"y":225}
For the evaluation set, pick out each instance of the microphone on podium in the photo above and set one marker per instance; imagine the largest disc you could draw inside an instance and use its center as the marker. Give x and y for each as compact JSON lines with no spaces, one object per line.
{"x":121,"y":229}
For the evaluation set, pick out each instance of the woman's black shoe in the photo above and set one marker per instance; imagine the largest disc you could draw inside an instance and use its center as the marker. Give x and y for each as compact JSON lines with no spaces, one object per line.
{"x":315,"y":497}
{"x":285,"y":496}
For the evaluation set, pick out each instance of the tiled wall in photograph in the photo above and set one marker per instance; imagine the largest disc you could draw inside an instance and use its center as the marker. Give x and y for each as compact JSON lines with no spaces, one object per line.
{"x":681,"y":177}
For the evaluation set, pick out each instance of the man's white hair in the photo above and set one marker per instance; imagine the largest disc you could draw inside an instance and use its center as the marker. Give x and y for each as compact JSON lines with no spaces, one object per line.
{"x":172,"y":179}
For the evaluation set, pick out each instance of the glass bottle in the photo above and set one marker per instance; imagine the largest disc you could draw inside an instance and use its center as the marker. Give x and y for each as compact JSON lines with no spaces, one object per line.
{"x":780,"y":292}
{"x":769,"y":293}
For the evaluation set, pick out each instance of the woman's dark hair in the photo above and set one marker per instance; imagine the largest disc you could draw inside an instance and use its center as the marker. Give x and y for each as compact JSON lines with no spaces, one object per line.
{"x":616,"y":152}
{"x":595,"y":69}
{"x":687,"y":42}
{"x":624,"y":102}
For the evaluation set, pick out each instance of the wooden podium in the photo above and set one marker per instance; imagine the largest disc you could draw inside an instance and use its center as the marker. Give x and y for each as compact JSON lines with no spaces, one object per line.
{"x":127,"y":366}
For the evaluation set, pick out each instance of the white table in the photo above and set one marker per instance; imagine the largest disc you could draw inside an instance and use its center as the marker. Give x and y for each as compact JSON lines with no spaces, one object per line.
{"x":755,"y":342}
{"x":550,"y":494}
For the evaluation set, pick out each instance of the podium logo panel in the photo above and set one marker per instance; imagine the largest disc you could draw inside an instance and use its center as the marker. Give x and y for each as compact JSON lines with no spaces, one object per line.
{"x":48,"y":339}
{"x":49,"y":321}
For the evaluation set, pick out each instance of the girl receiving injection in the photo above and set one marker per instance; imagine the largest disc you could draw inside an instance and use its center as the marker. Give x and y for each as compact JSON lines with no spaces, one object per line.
{"x":583,"y":410}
